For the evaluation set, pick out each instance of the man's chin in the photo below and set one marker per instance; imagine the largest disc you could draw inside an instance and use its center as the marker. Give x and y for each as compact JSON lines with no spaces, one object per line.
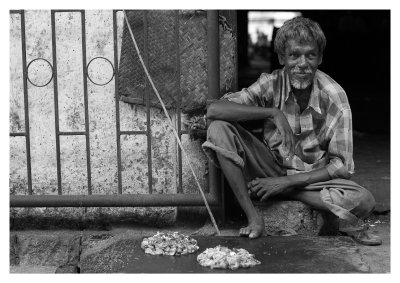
{"x":300,"y":85}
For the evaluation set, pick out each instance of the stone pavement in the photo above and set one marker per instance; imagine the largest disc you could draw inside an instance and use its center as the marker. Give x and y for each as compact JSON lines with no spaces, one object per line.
{"x":118,"y":251}
{"x":277,"y":255}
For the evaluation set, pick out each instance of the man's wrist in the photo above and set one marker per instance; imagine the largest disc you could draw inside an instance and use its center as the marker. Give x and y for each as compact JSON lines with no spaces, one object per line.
{"x":298,"y":180}
{"x":304,"y":179}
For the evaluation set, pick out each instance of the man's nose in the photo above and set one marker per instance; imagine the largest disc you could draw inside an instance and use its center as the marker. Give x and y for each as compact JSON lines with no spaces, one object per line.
{"x":302,"y":61}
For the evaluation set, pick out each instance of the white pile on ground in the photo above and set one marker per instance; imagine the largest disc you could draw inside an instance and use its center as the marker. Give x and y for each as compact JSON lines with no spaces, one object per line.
{"x":224,"y":258}
{"x":169,"y":243}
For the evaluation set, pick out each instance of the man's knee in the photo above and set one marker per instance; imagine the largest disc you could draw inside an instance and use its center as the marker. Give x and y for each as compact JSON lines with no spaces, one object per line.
{"x":366,"y":204}
{"x":219,"y":124}
{"x":218,"y":127}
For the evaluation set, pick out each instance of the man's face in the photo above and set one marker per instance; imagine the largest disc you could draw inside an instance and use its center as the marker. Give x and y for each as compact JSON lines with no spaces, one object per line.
{"x":301,"y":61}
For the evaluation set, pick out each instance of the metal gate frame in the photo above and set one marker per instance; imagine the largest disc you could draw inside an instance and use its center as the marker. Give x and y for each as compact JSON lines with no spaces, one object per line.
{"x":215,"y":180}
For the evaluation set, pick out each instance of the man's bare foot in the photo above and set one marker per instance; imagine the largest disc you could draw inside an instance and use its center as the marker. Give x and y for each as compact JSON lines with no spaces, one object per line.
{"x":254,"y":230}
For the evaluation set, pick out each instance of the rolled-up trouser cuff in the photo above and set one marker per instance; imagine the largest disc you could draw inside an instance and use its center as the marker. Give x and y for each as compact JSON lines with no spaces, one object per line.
{"x":344,"y":198}
{"x":210,"y":150}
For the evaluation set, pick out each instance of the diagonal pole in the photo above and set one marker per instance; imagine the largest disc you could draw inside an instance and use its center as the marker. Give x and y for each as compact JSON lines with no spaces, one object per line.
{"x":172,"y":125}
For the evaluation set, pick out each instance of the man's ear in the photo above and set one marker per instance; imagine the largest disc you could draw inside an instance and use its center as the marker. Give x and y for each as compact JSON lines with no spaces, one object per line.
{"x":281,"y":59}
{"x":320,"y":60}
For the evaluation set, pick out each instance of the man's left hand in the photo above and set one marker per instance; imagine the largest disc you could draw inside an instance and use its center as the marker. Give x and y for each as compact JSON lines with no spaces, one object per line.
{"x":267,"y":187}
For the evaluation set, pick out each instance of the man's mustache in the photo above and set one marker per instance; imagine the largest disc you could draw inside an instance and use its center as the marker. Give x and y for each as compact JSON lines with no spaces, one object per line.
{"x":297,"y":70}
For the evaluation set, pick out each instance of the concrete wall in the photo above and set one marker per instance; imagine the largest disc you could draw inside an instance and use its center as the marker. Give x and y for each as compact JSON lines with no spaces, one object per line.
{"x":102,"y":121}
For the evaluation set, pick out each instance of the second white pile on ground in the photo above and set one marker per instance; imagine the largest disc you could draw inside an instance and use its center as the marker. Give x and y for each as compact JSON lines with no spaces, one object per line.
{"x":170,"y":243}
{"x":224,"y":258}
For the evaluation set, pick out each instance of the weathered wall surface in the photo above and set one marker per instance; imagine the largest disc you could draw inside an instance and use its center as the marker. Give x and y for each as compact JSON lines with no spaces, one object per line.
{"x":102,"y":121}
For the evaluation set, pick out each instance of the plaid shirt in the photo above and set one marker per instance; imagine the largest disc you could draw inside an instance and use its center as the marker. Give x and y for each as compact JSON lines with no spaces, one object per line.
{"x":322,"y":132}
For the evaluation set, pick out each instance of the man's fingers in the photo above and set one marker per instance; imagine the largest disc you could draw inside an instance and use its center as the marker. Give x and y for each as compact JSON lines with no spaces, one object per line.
{"x":261,"y":192}
{"x":250,"y":184}
{"x":255,"y":189}
{"x":286,"y":132}
{"x":268,"y":194}
{"x":289,"y":144}
{"x":253,"y":183}
{"x":265,"y":196}
{"x":291,"y":148}
{"x":290,"y":140}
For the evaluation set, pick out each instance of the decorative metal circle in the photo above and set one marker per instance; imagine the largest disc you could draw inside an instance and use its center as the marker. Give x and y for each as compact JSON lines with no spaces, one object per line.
{"x":36,"y":72}
{"x":101,"y":69}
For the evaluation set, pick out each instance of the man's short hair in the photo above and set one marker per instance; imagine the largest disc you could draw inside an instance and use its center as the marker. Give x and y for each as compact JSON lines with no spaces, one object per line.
{"x":299,"y":28}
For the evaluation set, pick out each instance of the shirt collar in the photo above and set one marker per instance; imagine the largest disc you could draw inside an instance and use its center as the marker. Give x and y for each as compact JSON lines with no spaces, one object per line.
{"x":315,"y":92}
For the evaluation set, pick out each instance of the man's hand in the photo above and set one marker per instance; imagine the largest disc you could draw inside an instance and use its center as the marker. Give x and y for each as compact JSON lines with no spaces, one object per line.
{"x":267,"y":187}
{"x":286,"y":131}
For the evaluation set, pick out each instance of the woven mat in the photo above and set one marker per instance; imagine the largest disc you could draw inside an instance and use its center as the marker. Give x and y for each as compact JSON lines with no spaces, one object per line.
{"x":167,"y":32}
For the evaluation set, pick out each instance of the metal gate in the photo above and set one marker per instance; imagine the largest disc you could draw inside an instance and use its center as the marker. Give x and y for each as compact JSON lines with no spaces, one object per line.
{"x":119,"y":199}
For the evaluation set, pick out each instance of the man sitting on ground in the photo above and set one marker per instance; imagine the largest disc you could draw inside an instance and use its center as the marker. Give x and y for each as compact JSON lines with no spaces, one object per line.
{"x":306,"y":153}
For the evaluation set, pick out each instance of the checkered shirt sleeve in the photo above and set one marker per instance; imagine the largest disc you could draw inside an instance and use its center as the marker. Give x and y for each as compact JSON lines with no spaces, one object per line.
{"x":254,"y":95}
{"x":340,"y":148}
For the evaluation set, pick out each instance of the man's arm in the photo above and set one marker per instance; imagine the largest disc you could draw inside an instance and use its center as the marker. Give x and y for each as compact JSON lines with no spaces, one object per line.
{"x":308,"y":178}
{"x":340,"y":149}
{"x":235,"y":112}
{"x":266,"y":187}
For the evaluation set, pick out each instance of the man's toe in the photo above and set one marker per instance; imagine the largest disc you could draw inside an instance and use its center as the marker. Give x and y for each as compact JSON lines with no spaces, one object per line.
{"x":255,"y":234}
{"x":251,"y":231}
{"x":244,"y":232}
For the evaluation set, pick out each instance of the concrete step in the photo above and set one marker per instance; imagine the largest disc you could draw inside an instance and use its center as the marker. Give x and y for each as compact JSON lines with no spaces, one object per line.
{"x":288,"y":218}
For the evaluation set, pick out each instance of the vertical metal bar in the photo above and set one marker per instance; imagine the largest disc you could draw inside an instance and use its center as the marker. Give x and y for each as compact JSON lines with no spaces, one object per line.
{"x":55,"y":83}
{"x":85,"y":94}
{"x":213,"y":54}
{"x":26,"y":104}
{"x":115,"y":27}
{"x":234,"y":25}
{"x":147,"y":92}
{"x":179,"y":101}
{"x":214,"y":92}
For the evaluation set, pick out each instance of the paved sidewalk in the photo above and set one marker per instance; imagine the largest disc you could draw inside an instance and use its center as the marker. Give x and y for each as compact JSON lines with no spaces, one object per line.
{"x":118,"y":251}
